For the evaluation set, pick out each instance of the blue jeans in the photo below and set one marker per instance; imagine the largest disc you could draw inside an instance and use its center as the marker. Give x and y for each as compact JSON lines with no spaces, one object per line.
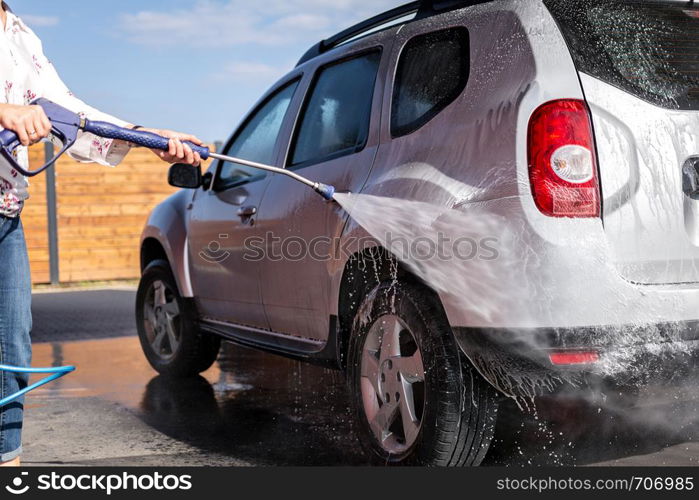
{"x":15,"y":325}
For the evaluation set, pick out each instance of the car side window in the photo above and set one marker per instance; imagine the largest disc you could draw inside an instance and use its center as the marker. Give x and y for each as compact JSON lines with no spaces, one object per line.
{"x":256,"y":140}
{"x":336,"y":116}
{"x":432,"y":72}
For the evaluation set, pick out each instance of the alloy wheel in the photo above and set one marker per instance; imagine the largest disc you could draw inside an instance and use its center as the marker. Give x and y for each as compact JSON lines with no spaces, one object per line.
{"x":162,"y":320}
{"x":393,"y":384}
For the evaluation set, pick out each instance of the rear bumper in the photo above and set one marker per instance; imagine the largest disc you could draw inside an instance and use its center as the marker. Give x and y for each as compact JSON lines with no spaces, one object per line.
{"x":518,"y":363}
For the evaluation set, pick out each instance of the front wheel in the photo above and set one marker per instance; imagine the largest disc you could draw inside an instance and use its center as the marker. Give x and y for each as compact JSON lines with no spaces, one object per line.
{"x":168,"y":328}
{"x":416,"y":400}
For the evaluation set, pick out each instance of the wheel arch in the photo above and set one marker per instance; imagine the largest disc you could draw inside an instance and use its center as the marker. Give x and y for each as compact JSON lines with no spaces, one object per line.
{"x":151,"y":250}
{"x":363,"y":271}
{"x":165,"y":237}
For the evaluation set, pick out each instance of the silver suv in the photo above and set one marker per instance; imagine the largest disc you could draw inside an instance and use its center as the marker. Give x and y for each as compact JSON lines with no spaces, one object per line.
{"x":523,"y":217}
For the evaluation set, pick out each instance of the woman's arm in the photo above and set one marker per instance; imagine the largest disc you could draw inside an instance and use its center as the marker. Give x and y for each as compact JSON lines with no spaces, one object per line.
{"x":88,"y":147}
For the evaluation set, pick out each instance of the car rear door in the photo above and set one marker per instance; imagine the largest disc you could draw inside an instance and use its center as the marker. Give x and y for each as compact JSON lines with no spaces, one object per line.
{"x":225,"y":279}
{"x":639,"y":68}
{"x":335,"y":142}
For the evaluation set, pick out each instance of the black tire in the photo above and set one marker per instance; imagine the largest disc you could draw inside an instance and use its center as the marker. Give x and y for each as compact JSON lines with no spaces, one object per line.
{"x":459,"y":410}
{"x":196,"y":350}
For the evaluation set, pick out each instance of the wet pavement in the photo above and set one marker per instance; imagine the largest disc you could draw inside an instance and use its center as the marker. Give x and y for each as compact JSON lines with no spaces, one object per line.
{"x":253,"y":408}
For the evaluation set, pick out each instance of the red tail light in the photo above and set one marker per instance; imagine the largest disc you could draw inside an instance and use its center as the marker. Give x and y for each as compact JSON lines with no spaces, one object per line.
{"x":573,"y":358}
{"x":563,"y":160}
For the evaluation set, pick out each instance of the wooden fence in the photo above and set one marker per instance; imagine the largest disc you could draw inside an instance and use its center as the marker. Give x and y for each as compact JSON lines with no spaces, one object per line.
{"x":100,"y":213}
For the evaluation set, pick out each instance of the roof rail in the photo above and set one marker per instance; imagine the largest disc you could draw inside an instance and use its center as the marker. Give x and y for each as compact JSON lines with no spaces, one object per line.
{"x":358,"y":29}
{"x":423,"y":8}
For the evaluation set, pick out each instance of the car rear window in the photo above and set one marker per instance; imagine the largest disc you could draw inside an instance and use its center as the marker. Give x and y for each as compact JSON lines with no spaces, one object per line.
{"x":649,"y":49}
{"x":433,"y":71}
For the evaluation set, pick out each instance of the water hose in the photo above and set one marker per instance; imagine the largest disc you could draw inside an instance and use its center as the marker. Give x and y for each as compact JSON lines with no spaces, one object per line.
{"x":54,"y":374}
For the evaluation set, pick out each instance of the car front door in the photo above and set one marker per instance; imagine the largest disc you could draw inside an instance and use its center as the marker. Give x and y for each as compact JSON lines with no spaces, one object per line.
{"x":335,"y":142}
{"x":224,"y":280}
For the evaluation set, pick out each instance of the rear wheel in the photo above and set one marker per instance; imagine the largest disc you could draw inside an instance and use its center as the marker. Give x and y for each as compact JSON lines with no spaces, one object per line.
{"x":416,"y":400}
{"x":168,"y":328}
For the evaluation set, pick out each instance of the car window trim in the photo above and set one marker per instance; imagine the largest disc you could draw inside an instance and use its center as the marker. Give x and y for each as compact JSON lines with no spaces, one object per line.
{"x":216,"y":187}
{"x":307,"y":99}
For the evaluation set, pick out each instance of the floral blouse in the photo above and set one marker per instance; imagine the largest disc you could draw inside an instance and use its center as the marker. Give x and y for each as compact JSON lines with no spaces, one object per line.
{"x":25,"y":74}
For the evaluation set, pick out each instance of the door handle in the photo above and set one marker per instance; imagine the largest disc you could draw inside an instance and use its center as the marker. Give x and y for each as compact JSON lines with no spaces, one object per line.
{"x":247,"y":211}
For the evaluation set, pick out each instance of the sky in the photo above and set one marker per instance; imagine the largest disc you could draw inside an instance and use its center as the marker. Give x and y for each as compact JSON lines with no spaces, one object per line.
{"x":194,"y":66}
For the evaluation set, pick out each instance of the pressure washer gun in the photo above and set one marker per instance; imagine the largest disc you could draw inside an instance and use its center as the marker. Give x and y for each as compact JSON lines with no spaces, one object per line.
{"x":65,"y":126}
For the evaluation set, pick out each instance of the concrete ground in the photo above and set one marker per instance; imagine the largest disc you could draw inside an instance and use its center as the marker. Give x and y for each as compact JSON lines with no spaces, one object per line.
{"x":257,"y":409}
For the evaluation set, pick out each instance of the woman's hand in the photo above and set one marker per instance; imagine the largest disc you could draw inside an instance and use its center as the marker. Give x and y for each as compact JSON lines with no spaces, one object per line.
{"x":178,"y":152}
{"x":30,"y":123}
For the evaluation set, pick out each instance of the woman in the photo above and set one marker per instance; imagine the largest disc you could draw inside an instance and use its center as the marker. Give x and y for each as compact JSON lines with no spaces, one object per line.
{"x":26,"y":74}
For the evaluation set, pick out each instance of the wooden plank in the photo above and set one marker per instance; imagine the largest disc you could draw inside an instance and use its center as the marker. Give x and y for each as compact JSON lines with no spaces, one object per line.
{"x":69,"y":253}
{"x":88,"y":241}
{"x":81,"y":232}
{"x":110,"y":199}
{"x":103,"y":274}
{"x":121,"y":189}
{"x":81,"y":223}
{"x":128,"y":242}
{"x":40,"y":267}
{"x":40,"y":278}
{"x":142,"y":209}
{"x":98,"y":182}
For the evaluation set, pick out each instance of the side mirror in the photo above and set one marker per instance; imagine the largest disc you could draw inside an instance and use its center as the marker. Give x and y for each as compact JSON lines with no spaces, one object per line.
{"x":184,"y":176}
